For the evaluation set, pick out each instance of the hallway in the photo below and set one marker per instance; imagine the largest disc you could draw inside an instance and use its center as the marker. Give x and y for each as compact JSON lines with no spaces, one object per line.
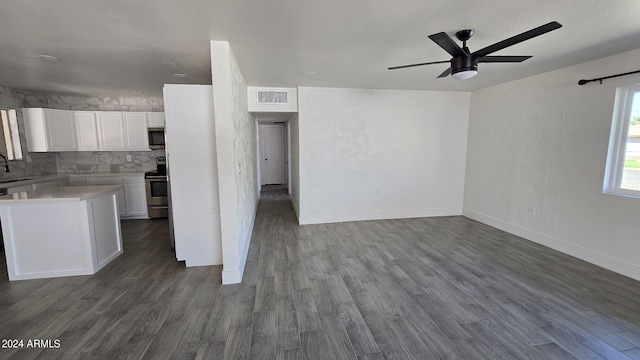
{"x":428,"y":288}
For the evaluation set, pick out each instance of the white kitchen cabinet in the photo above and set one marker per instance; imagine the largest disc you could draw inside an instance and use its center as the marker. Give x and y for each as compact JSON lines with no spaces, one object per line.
{"x":156,"y":120}
{"x":136,"y":196}
{"x":86,"y":130}
{"x":136,"y":137}
{"x":49,"y":130}
{"x":110,"y":130}
{"x":132,"y":200}
{"x":17,"y":189}
{"x":111,"y":180}
{"x":66,"y":130}
{"x":45,"y":185}
{"x":61,"y":130}
{"x":76,"y":181}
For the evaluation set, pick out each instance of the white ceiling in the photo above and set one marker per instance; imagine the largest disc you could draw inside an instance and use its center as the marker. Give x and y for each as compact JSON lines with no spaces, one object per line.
{"x":121,"y":47}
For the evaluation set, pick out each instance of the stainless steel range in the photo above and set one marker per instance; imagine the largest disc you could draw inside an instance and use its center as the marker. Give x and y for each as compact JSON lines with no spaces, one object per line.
{"x":156,"y":185}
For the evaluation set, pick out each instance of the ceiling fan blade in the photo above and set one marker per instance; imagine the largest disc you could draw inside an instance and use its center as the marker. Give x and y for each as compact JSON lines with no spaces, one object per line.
{"x":517,"y":39}
{"x":445,"y":73}
{"x":421,"y":64}
{"x":502,"y":59}
{"x":446,"y":42}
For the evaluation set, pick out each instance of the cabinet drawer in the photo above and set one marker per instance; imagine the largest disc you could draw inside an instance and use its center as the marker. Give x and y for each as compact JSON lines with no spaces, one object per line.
{"x":139,"y":179}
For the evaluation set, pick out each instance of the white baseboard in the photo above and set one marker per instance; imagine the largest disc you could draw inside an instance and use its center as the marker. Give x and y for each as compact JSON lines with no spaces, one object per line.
{"x":295,"y":208}
{"x":595,"y":257}
{"x":396,"y":214}
{"x":234,"y":276}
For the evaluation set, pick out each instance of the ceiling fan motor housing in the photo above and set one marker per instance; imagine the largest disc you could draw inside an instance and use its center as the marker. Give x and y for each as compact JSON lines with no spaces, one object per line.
{"x":464,"y":63}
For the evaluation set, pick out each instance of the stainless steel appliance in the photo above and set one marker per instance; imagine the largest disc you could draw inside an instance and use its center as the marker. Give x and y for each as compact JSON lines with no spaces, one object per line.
{"x":156,"y":186}
{"x":156,"y":138}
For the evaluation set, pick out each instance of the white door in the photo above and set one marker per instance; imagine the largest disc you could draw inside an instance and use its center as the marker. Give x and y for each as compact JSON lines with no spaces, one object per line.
{"x":272,"y":161}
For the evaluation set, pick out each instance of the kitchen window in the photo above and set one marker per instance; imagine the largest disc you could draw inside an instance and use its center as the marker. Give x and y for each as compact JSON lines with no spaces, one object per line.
{"x":10,"y":140}
{"x":622,"y":175}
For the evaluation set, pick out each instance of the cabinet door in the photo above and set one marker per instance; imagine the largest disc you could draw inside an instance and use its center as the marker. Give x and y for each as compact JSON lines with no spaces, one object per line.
{"x":136,"y":131}
{"x":45,"y":185}
{"x":156,"y":120}
{"x":17,"y":189}
{"x":110,"y":131}
{"x":61,"y":130}
{"x":76,"y":181}
{"x":86,"y":130}
{"x":35,"y":129}
{"x":111,"y":180}
{"x":136,"y":197}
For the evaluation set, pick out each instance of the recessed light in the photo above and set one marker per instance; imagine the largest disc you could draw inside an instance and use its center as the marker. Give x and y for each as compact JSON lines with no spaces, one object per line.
{"x":309,"y":72}
{"x":180,"y":75}
{"x":48,"y":57}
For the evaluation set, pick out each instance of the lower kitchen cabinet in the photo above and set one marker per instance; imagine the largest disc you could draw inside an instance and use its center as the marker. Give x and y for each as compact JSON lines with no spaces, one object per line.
{"x":111,"y":180}
{"x":135,"y":196}
{"x":17,"y":189}
{"x":132,"y":200}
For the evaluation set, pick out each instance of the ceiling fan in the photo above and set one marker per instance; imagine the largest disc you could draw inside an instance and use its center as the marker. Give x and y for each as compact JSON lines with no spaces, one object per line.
{"x":464,"y":64}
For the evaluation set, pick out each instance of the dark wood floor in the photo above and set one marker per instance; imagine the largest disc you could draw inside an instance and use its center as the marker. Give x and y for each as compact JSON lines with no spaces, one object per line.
{"x":435,"y":288}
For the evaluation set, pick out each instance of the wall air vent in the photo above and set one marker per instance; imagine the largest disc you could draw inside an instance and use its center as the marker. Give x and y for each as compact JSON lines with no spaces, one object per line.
{"x":272,"y":97}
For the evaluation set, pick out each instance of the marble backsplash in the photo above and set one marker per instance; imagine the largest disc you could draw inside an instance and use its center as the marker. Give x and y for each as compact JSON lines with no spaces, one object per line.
{"x":106,"y":161}
{"x":85,"y":161}
{"x":105,"y":103}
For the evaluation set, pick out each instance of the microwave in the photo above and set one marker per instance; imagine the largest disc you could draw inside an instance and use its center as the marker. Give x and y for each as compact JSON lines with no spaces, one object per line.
{"x":156,"y":138}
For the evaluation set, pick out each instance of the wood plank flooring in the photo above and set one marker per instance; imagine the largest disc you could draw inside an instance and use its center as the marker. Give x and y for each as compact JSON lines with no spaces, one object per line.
{"x":433,"y":288}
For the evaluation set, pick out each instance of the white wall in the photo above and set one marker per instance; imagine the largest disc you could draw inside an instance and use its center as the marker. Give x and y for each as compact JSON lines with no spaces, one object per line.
{"x":294,"y":165}
{"x":376,"y":154}
{"x":237,"y":167}
{"x":193,"y":174}
{"x":542,"y":141}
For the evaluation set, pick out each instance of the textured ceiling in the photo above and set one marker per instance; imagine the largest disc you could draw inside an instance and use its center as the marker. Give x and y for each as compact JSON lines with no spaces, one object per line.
{"x":123,"y":47}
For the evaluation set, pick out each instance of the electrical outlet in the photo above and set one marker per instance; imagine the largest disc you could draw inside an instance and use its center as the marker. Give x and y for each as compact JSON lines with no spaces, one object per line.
{"x":128,"y":158}
{"x":532,"y":210}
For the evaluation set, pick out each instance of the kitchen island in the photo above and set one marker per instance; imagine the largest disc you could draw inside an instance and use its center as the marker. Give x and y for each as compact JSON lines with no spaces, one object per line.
{"x":61,"y":231}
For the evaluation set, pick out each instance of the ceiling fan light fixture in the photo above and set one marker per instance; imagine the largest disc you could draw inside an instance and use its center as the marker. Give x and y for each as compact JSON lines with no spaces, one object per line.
{"x":464,"y":74}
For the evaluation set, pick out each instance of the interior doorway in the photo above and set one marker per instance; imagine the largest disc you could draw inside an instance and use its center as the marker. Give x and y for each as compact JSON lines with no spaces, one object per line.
{"x":273,"y":159}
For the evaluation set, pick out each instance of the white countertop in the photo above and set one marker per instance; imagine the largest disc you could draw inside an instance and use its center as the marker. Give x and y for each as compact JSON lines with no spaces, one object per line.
{"x":137,"y":173}
{"x":29,"y":179}
{"x":34,"y":179}
{"x":68,"y":193}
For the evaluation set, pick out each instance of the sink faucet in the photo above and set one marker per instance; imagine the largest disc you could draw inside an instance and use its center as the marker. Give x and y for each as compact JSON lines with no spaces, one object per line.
{"x":6,"y":163}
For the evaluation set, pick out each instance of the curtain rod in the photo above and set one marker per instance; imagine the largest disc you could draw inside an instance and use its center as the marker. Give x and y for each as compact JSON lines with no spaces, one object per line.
{"x":583,"y":81}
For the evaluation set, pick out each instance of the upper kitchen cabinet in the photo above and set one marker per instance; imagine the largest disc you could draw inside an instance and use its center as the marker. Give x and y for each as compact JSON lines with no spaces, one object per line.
{"x":156,"y":120}
{"x":66,"y":130}
{"x":86,"y":130}
{"x":136,"y":137}
{"x":125,"y":131}
{"x":110,"y":130}
{"x":50,"y":130}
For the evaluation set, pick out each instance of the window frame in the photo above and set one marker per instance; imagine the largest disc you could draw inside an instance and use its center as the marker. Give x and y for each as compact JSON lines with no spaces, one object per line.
{"x":618,"y":142}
